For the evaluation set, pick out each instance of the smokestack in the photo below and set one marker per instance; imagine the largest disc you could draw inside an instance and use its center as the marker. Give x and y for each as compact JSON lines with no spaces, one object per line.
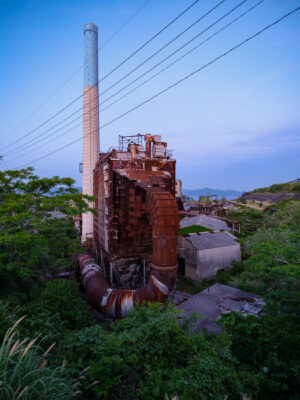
{"x":90,"y":119}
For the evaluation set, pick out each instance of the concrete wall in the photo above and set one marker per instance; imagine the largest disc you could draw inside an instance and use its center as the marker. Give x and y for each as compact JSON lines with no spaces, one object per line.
{"x":178,"y":189}
{"x":180,"y":245}
{"x":206,"y":263}
{"x":190,"y":255}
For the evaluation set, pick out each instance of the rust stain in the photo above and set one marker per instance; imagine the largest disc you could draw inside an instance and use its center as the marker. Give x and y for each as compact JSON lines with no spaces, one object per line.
{"x":137,"y":214}
{"x":117,"y":303}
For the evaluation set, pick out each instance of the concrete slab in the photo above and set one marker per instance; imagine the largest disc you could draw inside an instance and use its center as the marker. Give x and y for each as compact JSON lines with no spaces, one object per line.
{"x":178,"y":297}
{"x":210,"y":222}
{"x":216,"y":300}
{"x":211,"y":240}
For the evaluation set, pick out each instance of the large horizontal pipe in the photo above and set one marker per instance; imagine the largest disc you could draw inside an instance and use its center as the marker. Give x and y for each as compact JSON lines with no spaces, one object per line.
{"x":116,"y":303}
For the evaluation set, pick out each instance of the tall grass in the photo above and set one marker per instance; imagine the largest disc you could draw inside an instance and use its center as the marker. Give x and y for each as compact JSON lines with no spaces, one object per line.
{"x":24,"y":373}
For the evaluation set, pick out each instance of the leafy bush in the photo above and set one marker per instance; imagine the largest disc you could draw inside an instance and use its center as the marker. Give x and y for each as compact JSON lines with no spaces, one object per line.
{"x":250,"y":218}
{"x":62,"y":297}
{"x":56,"y":309}
{"x":287,"y":213}
{"x":33,"y":243}
{"x":149,"y":355}
{"x":41,"y":322}
{"x":270,"y":346}
{"x":273,"y":263}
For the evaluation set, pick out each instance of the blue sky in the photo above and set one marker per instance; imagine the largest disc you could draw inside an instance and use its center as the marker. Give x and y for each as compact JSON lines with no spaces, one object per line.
{"x":234,"y":125}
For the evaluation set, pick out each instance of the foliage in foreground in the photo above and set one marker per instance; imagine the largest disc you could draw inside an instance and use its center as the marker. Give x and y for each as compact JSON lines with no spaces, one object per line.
{"x":56,"y":309}
{"x":25,"y":374}
{"x":33,"y":244}
{"x":149,"y":355}
{"x":270,"y":346}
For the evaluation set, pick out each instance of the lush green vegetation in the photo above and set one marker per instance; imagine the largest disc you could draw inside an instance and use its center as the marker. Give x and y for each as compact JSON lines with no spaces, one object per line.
{"x":33,"y":244}
{"x":57,"y":351}
{"x":249,"y":218}
{"x":193,"y":229}
{"x":293,"y":187}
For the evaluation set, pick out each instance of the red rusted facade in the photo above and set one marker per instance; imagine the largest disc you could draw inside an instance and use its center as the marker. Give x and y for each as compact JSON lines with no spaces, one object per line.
{"x":121,"y":226}
{"x":137,"y":218}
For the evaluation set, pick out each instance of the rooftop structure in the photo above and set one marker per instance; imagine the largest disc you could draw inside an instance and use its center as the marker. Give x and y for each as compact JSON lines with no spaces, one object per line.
{"x":209,"y":222}
{"x":210,"y":240}
{"x":206,"y":253}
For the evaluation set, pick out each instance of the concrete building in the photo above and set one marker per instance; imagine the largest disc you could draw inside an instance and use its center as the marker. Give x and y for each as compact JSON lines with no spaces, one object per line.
{"x":207,"y":221}
{"x":206,"y":253}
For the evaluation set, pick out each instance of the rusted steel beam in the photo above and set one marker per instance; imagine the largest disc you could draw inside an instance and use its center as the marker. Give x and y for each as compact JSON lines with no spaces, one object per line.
{"x":164,"y":218}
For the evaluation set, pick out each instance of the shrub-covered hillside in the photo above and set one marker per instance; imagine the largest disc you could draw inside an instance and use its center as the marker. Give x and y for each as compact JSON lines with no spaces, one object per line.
{"x":52,"y":348}
{"x":291,"y":187}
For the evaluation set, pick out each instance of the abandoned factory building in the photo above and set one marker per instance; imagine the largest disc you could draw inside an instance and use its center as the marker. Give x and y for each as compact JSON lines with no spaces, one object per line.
{"x":205,"y":253}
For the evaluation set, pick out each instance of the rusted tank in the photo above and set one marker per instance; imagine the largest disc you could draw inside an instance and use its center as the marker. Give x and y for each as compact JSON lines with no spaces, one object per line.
{"x":136,"y":223}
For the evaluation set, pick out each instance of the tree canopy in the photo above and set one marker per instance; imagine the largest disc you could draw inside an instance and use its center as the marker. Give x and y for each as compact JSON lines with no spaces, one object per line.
{"x":33,"y":241}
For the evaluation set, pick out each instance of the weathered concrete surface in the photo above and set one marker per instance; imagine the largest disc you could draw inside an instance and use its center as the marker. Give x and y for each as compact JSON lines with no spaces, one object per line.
{"x":206,"y":221}
{"x":178,"y":297}
{"x":216,"y":300}
{"x":206,"y":253}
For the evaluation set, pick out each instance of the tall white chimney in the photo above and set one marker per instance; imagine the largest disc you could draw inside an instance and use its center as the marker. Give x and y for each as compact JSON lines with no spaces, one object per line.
{"x":90,"y":120}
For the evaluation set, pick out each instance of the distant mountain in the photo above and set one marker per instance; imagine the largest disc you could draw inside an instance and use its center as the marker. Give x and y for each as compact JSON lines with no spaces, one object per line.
{"x":228,"y":194}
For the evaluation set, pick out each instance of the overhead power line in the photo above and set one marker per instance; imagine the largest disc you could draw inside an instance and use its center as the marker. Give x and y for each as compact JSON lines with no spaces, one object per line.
{"x":174,"y":84}
{"x":80,"y":68}
{"x":166,"y":45}
{"x":22,"y":147}
{"x":108,"y":74}
{"x":178,"y":49}
{"x":124,"y":24}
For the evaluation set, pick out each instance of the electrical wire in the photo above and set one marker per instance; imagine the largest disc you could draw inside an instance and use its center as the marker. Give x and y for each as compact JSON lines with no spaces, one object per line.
{"x":22,"y":147}
{"x":123,"y":25}
{"x":80,"y":68}
{"x":174,"y":84}
{"x":177,"y":50}
{"x":166,"y":45}
{"x":108,"y":74}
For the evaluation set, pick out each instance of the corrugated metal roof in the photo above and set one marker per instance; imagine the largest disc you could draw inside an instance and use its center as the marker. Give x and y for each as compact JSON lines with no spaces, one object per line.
{"x":211,"y":240}
{"x":206,"y":221}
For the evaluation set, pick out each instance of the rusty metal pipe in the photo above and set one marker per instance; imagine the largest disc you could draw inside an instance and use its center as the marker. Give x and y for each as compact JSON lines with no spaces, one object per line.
{"x":116,"y":303}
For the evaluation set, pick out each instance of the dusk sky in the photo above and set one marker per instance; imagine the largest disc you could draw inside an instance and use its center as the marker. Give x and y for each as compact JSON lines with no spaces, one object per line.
{"x":234,"y":125}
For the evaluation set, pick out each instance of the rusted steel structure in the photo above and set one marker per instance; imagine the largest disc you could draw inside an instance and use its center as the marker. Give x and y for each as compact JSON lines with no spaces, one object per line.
{"x":136,"y":223}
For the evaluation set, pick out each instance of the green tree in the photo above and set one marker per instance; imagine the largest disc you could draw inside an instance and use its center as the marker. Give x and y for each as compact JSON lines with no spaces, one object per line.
{"x":33,"y":240}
